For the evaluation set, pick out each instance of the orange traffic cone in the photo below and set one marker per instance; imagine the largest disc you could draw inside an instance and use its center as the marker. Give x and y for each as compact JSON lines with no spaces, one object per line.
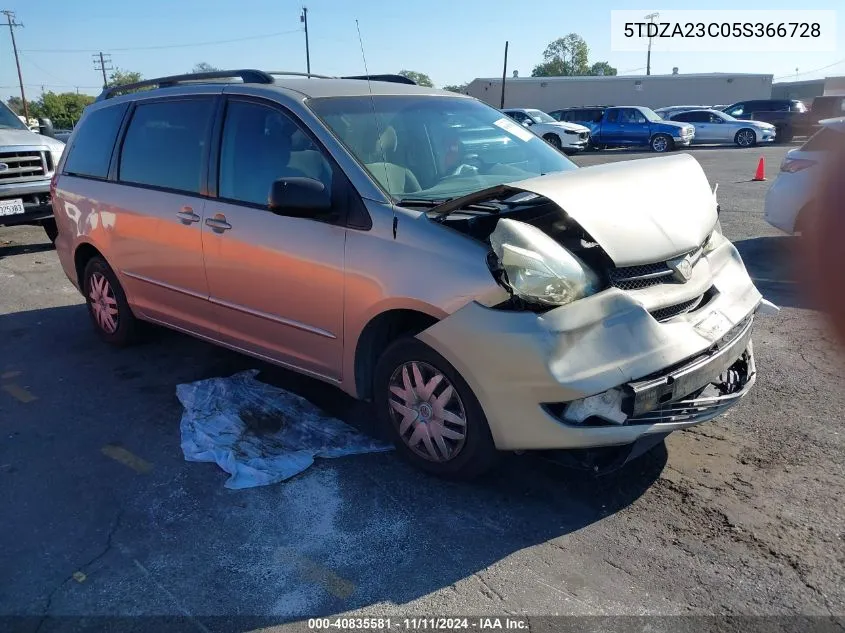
{"x":761,"y":170}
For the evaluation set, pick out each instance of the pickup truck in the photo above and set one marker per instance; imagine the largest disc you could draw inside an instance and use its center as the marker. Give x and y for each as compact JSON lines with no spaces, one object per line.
{"x":27,"y":163}
{"x":632,"y":126}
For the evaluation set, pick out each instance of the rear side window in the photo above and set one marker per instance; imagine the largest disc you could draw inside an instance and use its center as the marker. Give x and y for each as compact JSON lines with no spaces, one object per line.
{"x":825,"y":140}
{"x":166,"y":144}
{"x":612,"y":116}
{"x":94,"y":142}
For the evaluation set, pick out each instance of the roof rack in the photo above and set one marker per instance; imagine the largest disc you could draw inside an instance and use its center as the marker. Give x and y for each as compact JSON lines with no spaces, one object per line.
{"x":248,"y":76}
{"x":396,"y":79}
{"x":295,"y":74}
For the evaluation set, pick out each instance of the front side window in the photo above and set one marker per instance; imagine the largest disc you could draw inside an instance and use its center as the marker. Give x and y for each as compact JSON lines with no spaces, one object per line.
{"x":261,"y":145}
{"x":435,"y":148}
{"x":516,"y":115}
{"x":166,"y":143}
{"x":737,"y":110}
{"x":630,"y":115}
{"x":94,"y":142}
{"x":613,"y":116}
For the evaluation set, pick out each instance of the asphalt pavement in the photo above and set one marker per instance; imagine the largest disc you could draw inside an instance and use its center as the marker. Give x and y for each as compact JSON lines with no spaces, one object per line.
{"x":101,"y":516}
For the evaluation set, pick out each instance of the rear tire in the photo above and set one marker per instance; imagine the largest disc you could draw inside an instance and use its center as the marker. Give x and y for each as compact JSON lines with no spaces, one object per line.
{"x":661,"y":143}
{"x":50,"y":229}
{"x":430,"y":412}
{"x":107,"y":305}
{"x":554,"y":141}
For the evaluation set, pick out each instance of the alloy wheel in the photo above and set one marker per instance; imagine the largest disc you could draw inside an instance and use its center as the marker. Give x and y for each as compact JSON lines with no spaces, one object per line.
{"x":428,"y":411}
{"x":659,"y":144}
{"x":745,"y":138}
{"x":103,"y":303}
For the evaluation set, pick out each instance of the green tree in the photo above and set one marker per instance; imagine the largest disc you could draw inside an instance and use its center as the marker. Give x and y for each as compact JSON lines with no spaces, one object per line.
{"x":15,"y":104}
{"x":566,"y":56}
{"x":120,"y":77}
{"x":602,"y":68}
{"x":63,"y":109}
{"x":203,"y":67}
{"x":421,"y":79}
{"x":461,"y":88}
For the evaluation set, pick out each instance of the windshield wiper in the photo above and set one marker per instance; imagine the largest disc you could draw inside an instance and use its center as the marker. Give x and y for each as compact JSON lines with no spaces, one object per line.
{"x":422,"y":202}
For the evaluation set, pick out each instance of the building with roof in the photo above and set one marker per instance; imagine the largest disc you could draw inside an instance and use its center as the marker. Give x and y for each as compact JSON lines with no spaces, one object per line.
{"x":808,"y":89}
{"x":655,"y":91}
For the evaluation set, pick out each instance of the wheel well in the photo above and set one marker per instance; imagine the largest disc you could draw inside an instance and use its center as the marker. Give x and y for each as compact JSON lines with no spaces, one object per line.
{"x":81,"y":258}
{"x":377,"y":335}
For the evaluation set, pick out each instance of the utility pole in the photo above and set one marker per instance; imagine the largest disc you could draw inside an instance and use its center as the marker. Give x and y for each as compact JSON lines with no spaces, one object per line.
{"x":10,"y":20}
{"x":304,"y":19}
{"x":504,"y":76}
{"x":650,"y":17}
{"x":102,"y":63}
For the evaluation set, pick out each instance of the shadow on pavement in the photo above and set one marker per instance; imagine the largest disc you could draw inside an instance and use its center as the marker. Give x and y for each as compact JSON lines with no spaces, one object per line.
{"x":169,"y":539}
{"x":771,"y":263}
{"x":11,"y":249}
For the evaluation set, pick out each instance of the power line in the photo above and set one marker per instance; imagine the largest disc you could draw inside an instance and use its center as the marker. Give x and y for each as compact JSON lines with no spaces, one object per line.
{"x":807,"y":72}
{"x":163,"y":46}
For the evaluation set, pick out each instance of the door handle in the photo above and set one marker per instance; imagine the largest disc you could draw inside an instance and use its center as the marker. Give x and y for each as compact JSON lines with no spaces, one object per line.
{"x":187,"y":215}
{"x":218,"y":223}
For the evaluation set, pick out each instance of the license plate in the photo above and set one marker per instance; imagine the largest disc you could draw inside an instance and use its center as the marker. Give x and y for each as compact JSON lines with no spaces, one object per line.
{"x":11,"y":207}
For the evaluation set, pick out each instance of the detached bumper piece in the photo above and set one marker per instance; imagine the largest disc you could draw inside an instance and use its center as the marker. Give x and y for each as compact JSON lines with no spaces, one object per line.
{"x":696,"y":391}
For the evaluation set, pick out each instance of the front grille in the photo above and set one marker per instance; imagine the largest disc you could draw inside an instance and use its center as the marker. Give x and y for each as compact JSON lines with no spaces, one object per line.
{"x":637,"y":277}
{"x":670,"y":312}
{"x":22,"y":166}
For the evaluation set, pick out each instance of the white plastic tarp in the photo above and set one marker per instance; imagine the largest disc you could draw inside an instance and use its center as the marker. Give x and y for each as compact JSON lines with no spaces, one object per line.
{"x":258,"y":433}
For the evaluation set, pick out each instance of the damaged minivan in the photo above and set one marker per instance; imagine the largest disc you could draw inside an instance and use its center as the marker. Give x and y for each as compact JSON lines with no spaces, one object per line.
{"x":415,"y":248}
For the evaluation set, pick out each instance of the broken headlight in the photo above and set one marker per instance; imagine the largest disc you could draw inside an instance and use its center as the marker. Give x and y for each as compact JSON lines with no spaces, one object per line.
{"x":538,"y":269}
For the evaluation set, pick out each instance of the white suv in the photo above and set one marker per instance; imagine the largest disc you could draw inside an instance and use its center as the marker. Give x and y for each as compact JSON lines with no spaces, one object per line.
{"x":567,"y":137}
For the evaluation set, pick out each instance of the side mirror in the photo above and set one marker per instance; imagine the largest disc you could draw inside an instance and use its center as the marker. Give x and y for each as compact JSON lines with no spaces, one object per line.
{"x":299,"y":197}
{"x":45,"y":128}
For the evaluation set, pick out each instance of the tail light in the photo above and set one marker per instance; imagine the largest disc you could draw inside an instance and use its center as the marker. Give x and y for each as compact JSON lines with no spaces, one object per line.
{"x":792,"y":165}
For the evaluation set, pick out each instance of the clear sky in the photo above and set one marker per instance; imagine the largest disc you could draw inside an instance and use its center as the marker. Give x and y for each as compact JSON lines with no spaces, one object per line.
{"x":453,"y":41}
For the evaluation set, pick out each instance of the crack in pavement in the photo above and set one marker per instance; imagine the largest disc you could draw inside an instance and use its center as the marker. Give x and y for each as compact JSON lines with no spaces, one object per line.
{"x":49,"y":604}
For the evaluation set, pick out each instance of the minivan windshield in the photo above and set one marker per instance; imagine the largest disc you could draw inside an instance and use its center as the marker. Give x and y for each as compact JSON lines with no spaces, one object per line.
{"x":432,"y":148}
{"x":9,"y":120}
{"x":540,"y":116}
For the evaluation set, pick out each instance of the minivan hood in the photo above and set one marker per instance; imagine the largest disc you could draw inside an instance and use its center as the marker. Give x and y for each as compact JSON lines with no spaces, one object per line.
{"x":639,"y":211}
{"x":573,"y":127}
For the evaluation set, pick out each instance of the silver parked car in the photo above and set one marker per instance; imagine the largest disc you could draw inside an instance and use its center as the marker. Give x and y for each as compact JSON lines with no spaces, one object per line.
{"x":714,"y":126}
{"x":416,"y":248}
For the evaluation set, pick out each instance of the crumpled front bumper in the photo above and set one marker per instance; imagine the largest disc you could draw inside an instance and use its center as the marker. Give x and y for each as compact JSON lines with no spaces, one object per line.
{"x":524,"y":368}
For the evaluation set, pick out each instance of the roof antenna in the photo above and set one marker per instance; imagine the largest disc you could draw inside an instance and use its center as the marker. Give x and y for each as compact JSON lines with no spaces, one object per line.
{"x":378,"y":127}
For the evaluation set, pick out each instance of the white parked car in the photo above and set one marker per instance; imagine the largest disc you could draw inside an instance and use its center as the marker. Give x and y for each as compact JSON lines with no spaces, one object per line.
{"x":567,"y":137}
{"x":790,"y":200}
{"x":713,"y":126}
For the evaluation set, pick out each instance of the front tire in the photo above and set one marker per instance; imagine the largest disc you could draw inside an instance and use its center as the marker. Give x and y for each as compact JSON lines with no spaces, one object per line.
{"x":746,"y":137}
{"x":107,"y":305}
{"x":554,"y":141}
{"x":661,"y":143}
{"x":430,"y":412}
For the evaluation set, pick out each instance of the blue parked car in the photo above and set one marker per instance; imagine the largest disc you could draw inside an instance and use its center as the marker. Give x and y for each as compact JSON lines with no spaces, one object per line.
{"x":621,"y":126}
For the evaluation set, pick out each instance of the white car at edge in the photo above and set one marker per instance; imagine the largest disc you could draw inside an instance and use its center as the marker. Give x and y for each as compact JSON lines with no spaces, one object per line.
{"x":790,"y":200}
{"x":567,"y":137}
